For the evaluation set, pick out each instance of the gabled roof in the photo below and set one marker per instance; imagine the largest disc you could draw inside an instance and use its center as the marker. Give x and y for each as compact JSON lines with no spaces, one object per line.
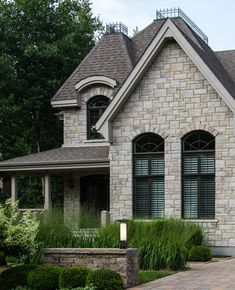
{"x":199,"y":52}
{"x":60,"y":158}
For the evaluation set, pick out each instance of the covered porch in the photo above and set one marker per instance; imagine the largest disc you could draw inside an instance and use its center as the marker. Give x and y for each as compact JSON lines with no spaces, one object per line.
{"x":84,"y":172}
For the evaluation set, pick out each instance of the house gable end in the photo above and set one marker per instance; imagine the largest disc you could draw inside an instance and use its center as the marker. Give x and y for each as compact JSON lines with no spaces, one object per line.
{"x":167,"y":31}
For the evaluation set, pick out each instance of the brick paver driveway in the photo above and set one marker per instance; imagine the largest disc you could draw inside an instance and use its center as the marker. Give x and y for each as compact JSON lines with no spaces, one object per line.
{"x":218,"y":275}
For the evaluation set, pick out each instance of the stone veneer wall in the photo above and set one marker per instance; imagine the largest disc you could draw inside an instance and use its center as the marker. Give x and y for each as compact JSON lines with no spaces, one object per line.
{"x":171,"y":100}
{"x":75,"y":121}
{"x":122,"y":261}
{"x":72,"y":196}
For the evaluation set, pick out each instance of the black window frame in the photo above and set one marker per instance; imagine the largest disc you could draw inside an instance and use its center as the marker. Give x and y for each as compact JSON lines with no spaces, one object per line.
{"x":91,"y":132}
{"x":149,"y":177}
{"x":206,"y":150}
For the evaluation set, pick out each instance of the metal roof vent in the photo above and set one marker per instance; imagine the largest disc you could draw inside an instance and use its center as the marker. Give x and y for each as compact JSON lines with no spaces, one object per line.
{"x":117,"y":27}
{"x":178,"y":13}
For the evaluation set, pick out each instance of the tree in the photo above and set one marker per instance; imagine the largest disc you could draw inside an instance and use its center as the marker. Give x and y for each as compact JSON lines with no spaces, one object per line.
{"x":41,"y":43}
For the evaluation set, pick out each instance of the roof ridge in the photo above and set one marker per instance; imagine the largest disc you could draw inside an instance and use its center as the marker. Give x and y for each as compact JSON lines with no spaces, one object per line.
{"x":125,"y":38}
{"x":146,"y":28}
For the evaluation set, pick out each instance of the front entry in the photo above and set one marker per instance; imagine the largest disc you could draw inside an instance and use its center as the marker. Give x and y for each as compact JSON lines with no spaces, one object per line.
{"x":95,"y":192}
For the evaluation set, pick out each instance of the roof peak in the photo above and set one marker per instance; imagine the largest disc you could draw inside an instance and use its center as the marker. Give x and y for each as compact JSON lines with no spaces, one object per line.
{"x":179,"y":13}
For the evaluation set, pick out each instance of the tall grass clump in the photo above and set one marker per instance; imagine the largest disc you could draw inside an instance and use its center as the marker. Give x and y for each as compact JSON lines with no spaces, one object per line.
{"x":162,"y":244}
{"x":88,"y":217}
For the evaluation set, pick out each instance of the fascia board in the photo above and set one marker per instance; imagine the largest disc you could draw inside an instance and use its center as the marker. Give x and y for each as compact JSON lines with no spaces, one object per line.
{"x":132,"y":79}
{"x":204,"y":69}
{"x":65,"y":166}
{"x":64,"y":103}
{"x":168,"y":30}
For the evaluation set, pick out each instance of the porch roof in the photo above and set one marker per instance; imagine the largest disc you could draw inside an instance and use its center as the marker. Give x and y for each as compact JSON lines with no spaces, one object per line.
{"x":60,"y":159}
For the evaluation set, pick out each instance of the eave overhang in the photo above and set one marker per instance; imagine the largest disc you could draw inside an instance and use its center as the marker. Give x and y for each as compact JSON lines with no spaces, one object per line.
{"x":167,"y":31}
{"x":67,"y":165}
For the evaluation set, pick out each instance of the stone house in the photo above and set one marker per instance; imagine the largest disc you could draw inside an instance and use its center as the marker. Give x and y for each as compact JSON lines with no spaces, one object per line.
{"x":148,"y":130}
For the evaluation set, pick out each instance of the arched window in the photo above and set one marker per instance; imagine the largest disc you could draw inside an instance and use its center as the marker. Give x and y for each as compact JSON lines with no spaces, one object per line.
{"x":95,"y":108}
{"x":198,"y":175}
{"x":148,"y":163}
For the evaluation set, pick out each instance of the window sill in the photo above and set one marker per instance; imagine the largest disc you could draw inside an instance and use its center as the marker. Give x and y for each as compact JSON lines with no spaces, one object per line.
{"x":95,"y":141}
{"x":213,"y":221}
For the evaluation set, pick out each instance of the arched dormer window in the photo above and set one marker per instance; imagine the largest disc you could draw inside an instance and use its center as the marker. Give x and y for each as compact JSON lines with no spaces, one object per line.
{"x":148,"y":166}
{"x":95,"y":108}
{"x":198,"y":175}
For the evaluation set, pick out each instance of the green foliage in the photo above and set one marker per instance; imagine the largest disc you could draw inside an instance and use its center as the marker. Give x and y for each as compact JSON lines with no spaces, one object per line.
{"x":80,"y":288}
{"x":147,"y":276}
{"x":44,"y":277}
{"x":162,"y":255}
{"x":15,"y":276}
{"x":88,"y":218}
{"x":17,"y":231}
{"x":2,"y":258}
{"x":21,"y":288}
{"x":12,"y":261}
{"x":105,"y":279}
{"x":72,"y":277}
{"x":200,"y":253}
{"x":42,"y":41}
{"x":161,"y":243}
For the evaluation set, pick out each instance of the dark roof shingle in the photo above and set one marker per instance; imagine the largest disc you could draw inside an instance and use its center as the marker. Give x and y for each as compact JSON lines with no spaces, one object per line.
{"x":60,"y":155}
{"x":116,"y":55}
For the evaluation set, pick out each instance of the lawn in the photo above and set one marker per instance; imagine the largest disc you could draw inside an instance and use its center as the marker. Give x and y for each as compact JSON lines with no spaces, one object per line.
{"x":147,"y":276}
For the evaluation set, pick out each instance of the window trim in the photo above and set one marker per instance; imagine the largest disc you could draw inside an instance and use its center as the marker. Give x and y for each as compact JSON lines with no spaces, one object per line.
{"x":148,"y":177}
{"x":199,"y":176}
{"x":88,"y":117}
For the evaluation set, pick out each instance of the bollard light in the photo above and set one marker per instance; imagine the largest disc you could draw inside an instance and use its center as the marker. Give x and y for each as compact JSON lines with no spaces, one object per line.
{"x":123,"y":234}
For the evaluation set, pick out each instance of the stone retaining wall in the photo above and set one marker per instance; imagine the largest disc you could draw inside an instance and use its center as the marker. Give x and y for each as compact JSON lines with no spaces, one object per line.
{"x":122,"y":261}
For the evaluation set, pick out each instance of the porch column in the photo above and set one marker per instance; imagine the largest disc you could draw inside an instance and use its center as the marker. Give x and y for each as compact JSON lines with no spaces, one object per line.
{"x":14,"y":193}
{"x":47,"y":188}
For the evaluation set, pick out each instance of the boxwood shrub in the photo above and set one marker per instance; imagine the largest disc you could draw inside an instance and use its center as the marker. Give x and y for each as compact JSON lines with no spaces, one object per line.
{"x":200,"y":253}
{"x":15,"y":276}
{"x":72,"y":277}
{"x":105,"y":279}
{"x":44,"y":277}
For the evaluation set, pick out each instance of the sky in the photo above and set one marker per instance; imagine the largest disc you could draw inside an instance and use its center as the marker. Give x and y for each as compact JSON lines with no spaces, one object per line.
{"x":216,"y":18}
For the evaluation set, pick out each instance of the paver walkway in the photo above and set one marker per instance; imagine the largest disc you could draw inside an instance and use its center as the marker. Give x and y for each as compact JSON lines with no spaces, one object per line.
{"x":218,"y":275}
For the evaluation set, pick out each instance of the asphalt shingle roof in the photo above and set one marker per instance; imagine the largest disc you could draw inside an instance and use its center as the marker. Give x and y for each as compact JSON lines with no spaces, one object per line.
{"x":61,"y":155}
{"x":110,"y":57}
{"x":116,"y":55}
{"x":227,"y":58}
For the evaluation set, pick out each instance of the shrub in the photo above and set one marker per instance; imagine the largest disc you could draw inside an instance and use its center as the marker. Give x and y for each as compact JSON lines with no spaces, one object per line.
{"x":2,"y":258}
{"x":105,"y":279}
{"x":12,"y":261}
{"x":15,"y":276}
{"x":17,"y":231}
{"x":200,"y":253}
{"x":72,"y":277}
{"x":44,"y":277}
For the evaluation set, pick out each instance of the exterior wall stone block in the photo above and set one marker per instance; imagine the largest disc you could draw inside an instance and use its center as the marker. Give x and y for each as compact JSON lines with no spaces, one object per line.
{"x":172,"y":99}
{"x":75,"y":120}
{"x":122,"y":261}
